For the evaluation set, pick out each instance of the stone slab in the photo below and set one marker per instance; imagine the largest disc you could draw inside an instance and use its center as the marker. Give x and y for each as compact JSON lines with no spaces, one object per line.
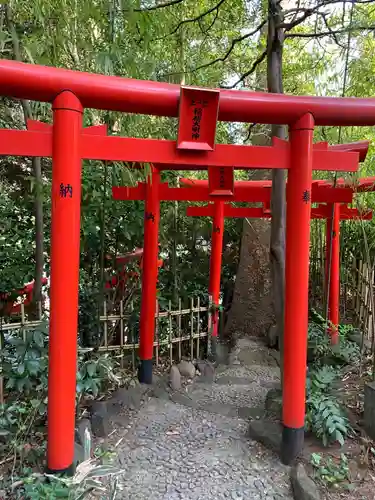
{"x":369,"y":409}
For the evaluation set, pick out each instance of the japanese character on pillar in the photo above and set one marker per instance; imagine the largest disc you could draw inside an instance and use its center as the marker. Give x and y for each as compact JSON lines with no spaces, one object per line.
{"x":66,"y":190}
{"x":221,"y":181}
{"x":306,"y":196}
{"x":150,"y":216}
{"x":198,"y":112}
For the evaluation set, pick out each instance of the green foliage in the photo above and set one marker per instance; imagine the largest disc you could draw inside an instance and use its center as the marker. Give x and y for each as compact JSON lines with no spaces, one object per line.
{"x":25,"y":370}
{"x":329,"y":472}
{"x":12,"y":417}
{"x":88,"y":479}
{"x":25,"y":410}
{"x":88,"y":315}
{"x":16,"y":241}
{"x":325,"y":416}
{"x":96,"y":373}
{"x":25,"y":361}
{"x":318,"y":341}
{"x":320,"y":348}
{"x":322,"y":378}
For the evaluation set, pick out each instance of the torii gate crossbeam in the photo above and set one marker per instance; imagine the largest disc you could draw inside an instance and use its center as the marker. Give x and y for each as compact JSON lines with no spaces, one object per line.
{"x":42,"y":83}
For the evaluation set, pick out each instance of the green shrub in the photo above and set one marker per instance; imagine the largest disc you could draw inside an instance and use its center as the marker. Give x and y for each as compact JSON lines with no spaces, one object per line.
{"x":321,"y":350}
{"x":330,"y":472}
{"x":325,"y":415}
{"x":24,"y":367}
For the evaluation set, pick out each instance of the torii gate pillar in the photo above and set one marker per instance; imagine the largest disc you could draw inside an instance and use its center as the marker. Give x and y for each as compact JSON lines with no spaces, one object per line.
{"x":215,"y":268}
{"x":65,"y":246}
{"x":333,"y":268}
{"x":149,"y":277}
{"x":296,"y":287}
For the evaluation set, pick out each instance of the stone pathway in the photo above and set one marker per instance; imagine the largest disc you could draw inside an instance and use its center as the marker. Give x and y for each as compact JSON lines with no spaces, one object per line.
{"x":192,"y":444}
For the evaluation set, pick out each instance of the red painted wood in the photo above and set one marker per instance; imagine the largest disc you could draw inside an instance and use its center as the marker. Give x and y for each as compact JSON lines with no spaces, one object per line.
{"x":150,"y":267}
{"x":42,"y":83}
{"x":65,"y":249}
{"x":197,"y":118}
{"x":215,"y":261}
{"x":297,"y":272}
{"x":221,"y":181}
{"x":96,"y":146}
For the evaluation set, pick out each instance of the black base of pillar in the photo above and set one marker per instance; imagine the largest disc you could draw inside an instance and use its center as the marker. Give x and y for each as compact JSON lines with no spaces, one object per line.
{"x":292,"y":444}
{"x":145,"y":371}
{"x":212,"y":355}
{"x":68,"y":471}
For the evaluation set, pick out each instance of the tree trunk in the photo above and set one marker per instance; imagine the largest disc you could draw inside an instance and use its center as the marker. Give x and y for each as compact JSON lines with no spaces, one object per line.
{"x":39,"y":236}
{"x":277,"y":247}
{"x":37,"y":169}
{"x":174,"y":257}
{"x":251,"y":312}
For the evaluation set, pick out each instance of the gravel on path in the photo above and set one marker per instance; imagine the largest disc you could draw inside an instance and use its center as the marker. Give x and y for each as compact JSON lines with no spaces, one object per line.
{"x":172,"y":451}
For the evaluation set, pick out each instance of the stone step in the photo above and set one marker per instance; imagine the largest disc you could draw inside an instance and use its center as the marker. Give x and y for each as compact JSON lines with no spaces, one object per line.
{"x":239,"y":374}
{"x":245,"y":401}
{"x":233,"y":395}
{"x":172,"y":453}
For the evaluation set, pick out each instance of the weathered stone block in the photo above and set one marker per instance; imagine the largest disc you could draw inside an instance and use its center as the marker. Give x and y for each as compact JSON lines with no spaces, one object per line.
{"x":251,"y":413}
{"x":100,"y":419}
{"x":207,"y":371}
{"x":129,"y":398}
{"x":356,"y":337}
{"x":79,"y":454}
{"x":272,"y":336}
{"x":222,"y":353}
{"x":303,"y":487}
{"x":267,"y":433}
{"x":369,"y":409}
{"x":186,"y":369}
{"x":175,"y":378}
{"x":274,"y":401}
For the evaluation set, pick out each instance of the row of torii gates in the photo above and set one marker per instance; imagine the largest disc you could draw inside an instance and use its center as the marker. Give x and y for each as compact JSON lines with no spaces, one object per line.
{"x":336,"y":198}
{"x":198,"y":110}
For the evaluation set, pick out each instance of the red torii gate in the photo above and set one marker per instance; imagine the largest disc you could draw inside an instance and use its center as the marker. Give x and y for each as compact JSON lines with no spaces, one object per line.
{"x":153,"y":192}
{"x":68,"y":143}
{"x":219,"y":210}
{"x":332,"y":271}
{"x":333,"y":215}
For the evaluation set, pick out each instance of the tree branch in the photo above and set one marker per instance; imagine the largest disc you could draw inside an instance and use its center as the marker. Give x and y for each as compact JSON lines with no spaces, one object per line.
{"x":193,"y":19}
{"x":235,"y":41}
{"x":307,"y":12}
{"x":295,"y":22}
{"x":205,"y":31}
{"x":37,"y":168}
{"x":248,"y":73}
{"x":249,"y":130}
{"x":159,"y":6}
{"x":329,"y":28}
{"x":223,"y":58}
{"x":329,"y":33}
{"x":324,"y":3}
